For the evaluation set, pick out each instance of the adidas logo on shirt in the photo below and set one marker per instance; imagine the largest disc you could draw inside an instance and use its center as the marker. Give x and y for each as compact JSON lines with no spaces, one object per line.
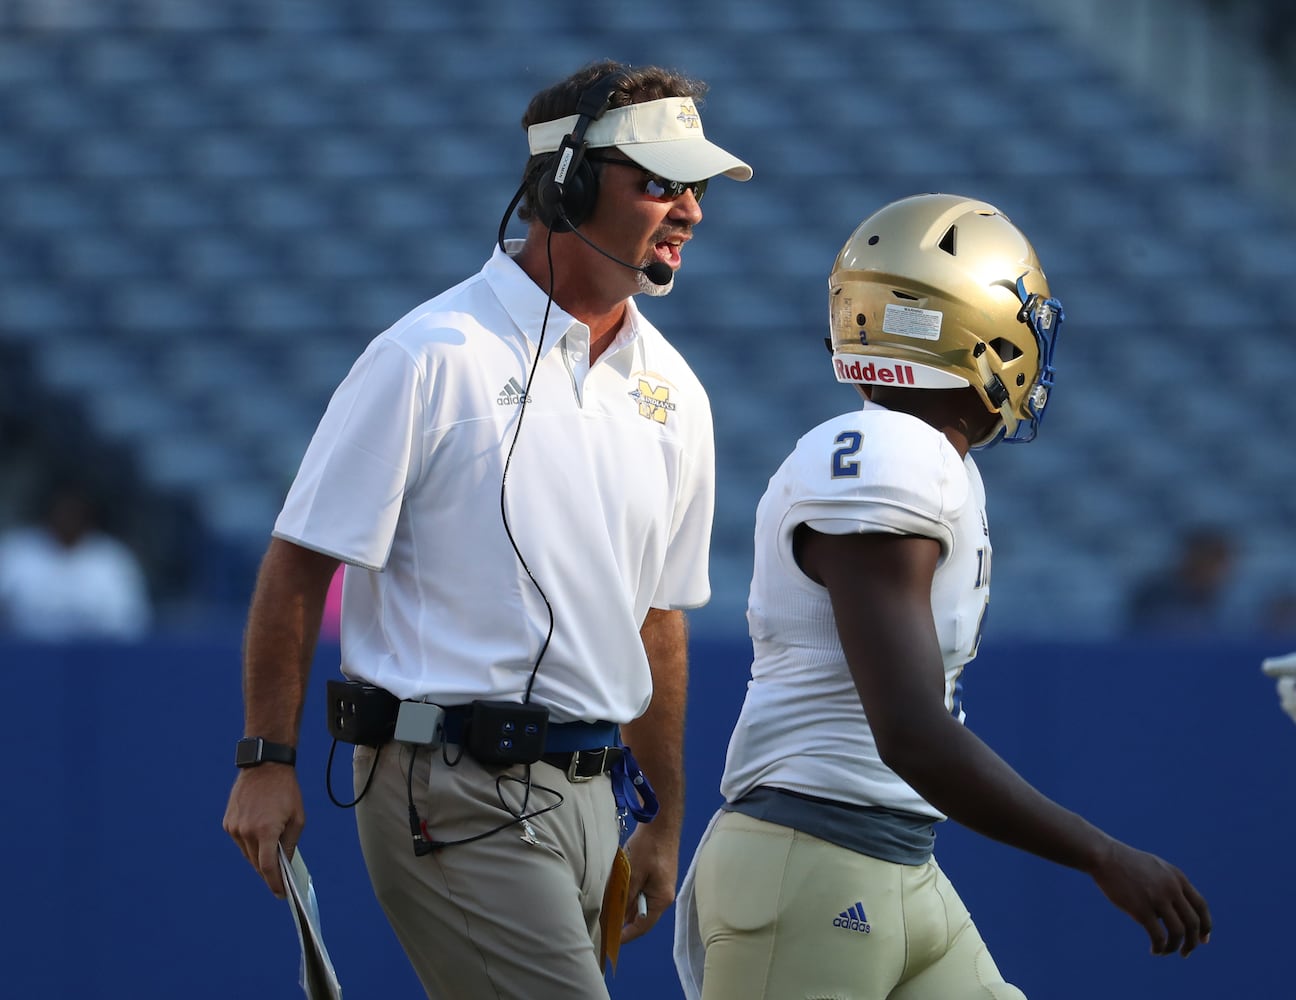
{"x":512,"y":394}
{"x":853,"y":919}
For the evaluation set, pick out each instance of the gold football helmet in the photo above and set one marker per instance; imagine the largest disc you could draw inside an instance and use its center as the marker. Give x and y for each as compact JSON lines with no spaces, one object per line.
{"x":938,"y":291}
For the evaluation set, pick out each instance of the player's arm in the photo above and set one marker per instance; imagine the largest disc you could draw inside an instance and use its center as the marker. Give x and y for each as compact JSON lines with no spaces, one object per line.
{"x":880,"y":586}
{"x":265,"y":805}
{"x":657,"y":740}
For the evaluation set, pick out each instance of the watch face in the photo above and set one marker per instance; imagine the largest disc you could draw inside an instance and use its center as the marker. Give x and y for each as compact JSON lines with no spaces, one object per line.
{"x":252,"y":751}
{"x":247,"y":752}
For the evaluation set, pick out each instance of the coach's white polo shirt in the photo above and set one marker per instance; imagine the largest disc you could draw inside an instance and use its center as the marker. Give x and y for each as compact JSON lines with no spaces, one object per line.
{"x":609,"y":498}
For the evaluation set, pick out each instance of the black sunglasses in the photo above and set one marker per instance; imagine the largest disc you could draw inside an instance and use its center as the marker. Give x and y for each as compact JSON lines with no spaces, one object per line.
{"x":657,"y":188}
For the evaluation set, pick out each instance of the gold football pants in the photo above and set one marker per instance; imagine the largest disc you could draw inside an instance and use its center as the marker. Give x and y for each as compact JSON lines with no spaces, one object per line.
{"x":786,"y":916}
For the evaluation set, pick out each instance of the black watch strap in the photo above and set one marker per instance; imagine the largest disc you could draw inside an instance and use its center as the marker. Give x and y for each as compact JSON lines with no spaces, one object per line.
{"x":252,"y":751}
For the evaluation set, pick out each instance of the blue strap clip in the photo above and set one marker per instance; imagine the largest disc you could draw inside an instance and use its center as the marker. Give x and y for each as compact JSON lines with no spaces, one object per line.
{"x":630,"y":787}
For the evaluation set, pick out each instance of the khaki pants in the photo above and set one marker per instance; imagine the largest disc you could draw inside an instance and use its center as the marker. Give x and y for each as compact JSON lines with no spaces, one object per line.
{"x":497,"y":917}
{"x":784,"y":915}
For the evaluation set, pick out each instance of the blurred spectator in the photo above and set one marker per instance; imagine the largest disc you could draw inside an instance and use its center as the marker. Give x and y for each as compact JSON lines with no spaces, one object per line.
{"x":1187,"y":595}
{"x":63,"y":578}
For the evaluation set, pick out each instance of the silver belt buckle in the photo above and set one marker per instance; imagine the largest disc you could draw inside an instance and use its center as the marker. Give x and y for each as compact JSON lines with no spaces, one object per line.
{"x":575,"y":760}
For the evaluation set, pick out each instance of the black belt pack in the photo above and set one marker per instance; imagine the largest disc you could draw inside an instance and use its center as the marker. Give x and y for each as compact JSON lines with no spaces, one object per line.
{"x":492,"y":732}
{"x":361,"y":713}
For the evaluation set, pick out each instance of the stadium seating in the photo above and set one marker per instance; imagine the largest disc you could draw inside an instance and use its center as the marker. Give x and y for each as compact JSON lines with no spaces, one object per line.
{"x":209,"y":209}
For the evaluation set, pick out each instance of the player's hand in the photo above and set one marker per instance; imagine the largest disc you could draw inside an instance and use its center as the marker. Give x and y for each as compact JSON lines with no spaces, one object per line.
{"x":1156,"y":894}
{"x":265,"y":809}
{"x":1287,"y":695}
{"x":654,"y":864}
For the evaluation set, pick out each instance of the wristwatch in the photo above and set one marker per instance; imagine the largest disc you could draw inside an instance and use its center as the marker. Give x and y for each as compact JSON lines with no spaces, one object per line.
{"x":253,"y":751}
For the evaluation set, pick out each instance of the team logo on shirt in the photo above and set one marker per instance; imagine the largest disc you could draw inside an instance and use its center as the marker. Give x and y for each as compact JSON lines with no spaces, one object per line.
{"x":654,"y":401}
{"x":853,"y":920}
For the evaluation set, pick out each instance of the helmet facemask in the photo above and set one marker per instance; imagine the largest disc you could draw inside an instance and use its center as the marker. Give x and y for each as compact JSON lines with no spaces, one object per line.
{"x":1043,"y":317}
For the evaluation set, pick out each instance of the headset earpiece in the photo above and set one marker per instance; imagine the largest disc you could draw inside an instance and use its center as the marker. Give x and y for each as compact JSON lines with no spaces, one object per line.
{"x":569,"y":182}
{"x":576,"y":196}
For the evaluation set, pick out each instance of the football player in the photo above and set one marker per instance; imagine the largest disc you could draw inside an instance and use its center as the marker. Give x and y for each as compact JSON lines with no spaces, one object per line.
{"x":872,"y":577}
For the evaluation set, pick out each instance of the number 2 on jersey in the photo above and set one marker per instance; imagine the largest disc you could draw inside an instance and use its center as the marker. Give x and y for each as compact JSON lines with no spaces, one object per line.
{"x":848,"y":444}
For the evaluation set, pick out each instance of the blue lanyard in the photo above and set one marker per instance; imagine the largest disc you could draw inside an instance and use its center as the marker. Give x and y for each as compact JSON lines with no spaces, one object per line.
{"x":630,"y":787}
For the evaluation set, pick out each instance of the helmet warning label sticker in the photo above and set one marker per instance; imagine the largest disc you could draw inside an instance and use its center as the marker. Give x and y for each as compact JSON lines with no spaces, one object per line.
{"x":908,"y":321}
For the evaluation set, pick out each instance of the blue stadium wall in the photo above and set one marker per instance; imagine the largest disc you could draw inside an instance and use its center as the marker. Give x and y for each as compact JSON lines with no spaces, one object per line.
{"x":120,"y":882}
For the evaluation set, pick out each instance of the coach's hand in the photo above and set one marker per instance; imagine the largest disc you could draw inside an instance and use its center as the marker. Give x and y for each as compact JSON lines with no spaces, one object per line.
{"x":1156,"y":894}
{"x":654,"y":865}
{"x":265,"y":810}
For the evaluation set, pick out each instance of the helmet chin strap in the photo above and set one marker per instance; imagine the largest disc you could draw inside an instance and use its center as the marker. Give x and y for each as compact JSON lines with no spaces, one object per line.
{"x":998,"y":430}
{"x":999,"y":434}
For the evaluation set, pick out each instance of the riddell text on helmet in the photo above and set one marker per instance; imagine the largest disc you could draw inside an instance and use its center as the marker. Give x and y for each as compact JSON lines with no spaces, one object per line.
{"x":892,"y":374}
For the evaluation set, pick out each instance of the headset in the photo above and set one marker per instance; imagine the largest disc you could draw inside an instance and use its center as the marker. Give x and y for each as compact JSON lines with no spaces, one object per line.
{"x":568,"y":188}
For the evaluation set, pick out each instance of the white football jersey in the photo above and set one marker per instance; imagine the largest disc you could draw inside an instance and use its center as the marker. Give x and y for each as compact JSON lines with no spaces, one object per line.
{"x":802,"y":726}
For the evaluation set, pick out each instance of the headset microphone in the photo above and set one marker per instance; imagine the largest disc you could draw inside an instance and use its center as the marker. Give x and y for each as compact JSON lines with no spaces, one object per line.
{"x":658,"y":272}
